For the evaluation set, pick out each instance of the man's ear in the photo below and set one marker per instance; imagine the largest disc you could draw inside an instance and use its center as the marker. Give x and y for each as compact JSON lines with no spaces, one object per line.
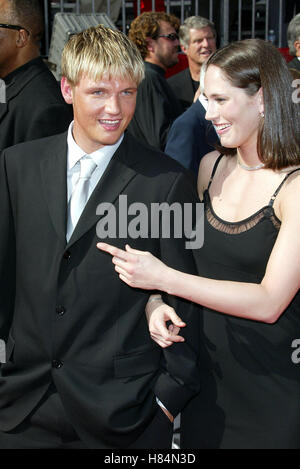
{"x":297,"y":47}
{"x":22,"y":38}
{"x":66,"y":90}
{"x":184,"y":49}
{"x":150,"y":45}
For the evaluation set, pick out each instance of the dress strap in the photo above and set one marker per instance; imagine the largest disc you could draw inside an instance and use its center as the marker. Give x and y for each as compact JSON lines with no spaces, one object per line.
{"x":214,"y":170}
{"x":280,"y":186}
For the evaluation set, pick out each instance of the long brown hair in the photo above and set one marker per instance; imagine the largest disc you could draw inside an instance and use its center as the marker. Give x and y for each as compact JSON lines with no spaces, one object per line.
{"x":253,"y":64}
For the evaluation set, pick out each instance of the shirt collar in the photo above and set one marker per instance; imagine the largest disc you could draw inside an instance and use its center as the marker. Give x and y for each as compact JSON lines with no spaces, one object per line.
{"x":75,"y":153}
{"x":155,"y":67}
{"x":20,"y":70}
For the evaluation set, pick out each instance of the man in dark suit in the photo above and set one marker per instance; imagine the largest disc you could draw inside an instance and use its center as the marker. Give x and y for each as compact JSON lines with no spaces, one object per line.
{"x":155,"y":35}
{"x":81,"y":369}
{"x":33,"y":106}
{"x":198,"y":41}
{"x":191,"y":137}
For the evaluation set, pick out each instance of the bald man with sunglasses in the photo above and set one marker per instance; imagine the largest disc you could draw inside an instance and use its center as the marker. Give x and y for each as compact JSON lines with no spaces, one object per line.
{"x":33,"y":106}
{"x":156,"y":36}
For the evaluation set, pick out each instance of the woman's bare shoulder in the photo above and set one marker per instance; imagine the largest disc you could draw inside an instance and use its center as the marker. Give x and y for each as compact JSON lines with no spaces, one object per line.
{"x":205,"y":170}
{"x":289,"y":196}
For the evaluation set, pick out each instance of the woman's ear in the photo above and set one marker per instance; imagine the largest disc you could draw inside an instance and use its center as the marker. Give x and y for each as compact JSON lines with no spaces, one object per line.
{"x":66,"y":90}
{"x":261,"y":105}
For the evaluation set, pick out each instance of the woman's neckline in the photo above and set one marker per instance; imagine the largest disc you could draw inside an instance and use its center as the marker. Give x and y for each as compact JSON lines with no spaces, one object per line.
{"x":244,"y":220}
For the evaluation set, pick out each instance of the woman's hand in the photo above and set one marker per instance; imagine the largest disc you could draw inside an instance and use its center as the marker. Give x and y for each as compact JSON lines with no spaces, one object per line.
{"x":139,"y":269}
{"x":158,"y":314}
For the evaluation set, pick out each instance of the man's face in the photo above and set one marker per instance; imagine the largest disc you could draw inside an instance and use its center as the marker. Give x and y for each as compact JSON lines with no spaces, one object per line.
{"x":7,"y":40}
{"x":201,"y":45}
{"x":102,"y":109}
{"x":165,"y":49}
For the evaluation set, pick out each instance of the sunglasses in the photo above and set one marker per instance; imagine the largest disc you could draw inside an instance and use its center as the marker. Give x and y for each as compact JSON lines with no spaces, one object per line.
{"x":13,"y":26}
{"x":171,"y":36}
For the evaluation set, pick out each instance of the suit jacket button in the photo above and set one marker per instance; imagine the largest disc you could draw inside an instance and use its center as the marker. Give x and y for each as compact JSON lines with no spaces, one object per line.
{"x":67,"y":255}
{"x":57,"y":364}
{"x":60,"y":310}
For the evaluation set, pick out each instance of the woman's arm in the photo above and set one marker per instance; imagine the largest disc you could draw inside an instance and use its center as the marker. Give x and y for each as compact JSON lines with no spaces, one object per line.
{"x":263,"y":302}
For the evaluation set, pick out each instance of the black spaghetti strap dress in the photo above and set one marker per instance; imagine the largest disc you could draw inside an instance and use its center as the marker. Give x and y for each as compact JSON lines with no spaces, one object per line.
{"x":250,"y":394}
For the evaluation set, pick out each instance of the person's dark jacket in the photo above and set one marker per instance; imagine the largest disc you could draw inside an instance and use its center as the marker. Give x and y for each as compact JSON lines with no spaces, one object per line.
{"x":34,"y":106}
{"x":295,"y":63}
{"x":65,"y":315}
{"x":183,"y":88}
{"x":156,"y":108}
{"x":191,"y":137}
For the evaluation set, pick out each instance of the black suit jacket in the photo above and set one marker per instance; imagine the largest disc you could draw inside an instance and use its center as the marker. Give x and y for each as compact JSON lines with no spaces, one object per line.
{"x":182,"y":85}
{"x":191,"y":137}
{"x":34,"y":105}
{"x":64,"y":312}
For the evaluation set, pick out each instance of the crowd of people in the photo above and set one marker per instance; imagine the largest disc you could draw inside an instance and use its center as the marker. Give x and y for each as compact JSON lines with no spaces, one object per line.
{"x":104,"y":352}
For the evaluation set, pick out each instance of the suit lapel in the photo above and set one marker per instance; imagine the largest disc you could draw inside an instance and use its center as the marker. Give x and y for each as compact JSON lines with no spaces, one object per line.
{"x":120,"y":171}
{"x":54,"y":177}
{"x":11,"y":91}
{"x":3,"y":110}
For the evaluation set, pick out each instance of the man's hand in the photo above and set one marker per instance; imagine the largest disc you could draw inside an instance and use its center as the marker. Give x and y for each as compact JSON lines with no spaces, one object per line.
{"x":158,"y":314}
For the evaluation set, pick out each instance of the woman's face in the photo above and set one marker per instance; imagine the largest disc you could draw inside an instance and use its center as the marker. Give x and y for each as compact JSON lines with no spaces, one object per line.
{"x":234,"y":114}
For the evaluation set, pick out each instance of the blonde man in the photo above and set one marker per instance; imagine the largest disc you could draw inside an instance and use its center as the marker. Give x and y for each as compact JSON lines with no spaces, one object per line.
{"x":81,"y":370}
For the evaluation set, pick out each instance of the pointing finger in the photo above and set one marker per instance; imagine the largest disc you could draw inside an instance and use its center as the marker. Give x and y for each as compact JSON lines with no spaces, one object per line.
{"x":114,"y":251}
